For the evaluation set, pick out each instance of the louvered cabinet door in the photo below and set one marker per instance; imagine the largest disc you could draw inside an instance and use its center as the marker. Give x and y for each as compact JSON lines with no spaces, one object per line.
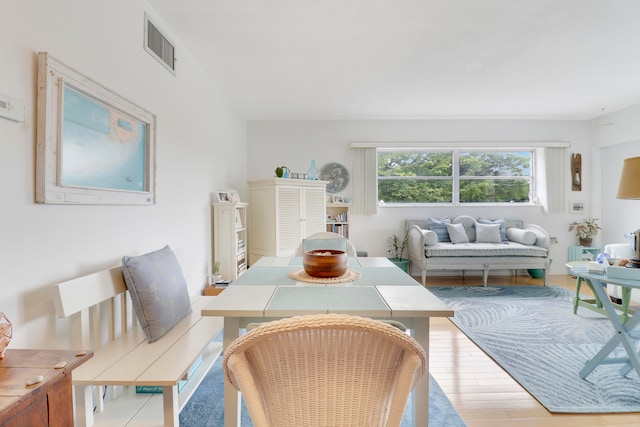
{"x":314,"y":216}
{"x":282,"y":213}
{"x":290,"y":222}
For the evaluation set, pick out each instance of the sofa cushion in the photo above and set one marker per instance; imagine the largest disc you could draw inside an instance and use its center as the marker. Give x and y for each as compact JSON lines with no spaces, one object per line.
{"x":158,"y":291}
{"x":457,"y":233}
{"x":488,"y":233}
{"x":503,"y":226}
{"x":439,"y":227}
{"x":526,"y":237}
{"x":465,"y":250}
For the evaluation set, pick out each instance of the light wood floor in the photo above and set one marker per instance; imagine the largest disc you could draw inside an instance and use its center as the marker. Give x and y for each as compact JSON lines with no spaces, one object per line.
{"x":482,"y":392}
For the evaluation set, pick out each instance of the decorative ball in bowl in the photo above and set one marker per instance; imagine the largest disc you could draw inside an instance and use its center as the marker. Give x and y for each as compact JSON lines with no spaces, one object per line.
{"x":325,"y":263}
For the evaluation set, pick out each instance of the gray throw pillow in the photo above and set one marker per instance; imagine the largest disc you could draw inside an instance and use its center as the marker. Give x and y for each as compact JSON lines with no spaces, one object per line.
{"x":488,"y":233}
{"x":158,"y":291}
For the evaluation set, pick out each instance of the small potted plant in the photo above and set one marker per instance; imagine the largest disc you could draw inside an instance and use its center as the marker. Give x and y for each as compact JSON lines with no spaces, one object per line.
{"x":215,"y":269}
{"x":585,"y":230}
{"x":396,"y":246}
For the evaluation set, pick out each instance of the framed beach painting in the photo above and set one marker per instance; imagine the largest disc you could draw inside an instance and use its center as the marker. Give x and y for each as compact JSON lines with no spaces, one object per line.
{"x":93,"y":146}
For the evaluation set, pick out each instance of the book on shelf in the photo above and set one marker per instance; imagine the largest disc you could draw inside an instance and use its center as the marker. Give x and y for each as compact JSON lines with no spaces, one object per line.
{"x":340,"y":218}
{"x":342,"y":229}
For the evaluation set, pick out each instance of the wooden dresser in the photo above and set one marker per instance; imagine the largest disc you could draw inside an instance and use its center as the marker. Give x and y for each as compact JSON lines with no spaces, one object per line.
{"x":47,"y":403}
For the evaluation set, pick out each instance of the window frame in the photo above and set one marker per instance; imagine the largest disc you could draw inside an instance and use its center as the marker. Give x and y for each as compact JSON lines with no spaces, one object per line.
{"x":456,"y":178}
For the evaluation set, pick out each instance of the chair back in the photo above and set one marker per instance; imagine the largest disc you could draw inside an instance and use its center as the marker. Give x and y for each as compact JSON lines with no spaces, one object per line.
{"x":326,"y":240}
{"x":325,"y":370}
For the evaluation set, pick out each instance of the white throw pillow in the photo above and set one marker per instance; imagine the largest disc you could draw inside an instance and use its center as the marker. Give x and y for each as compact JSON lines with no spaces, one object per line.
{"x":430,"y":237}
{"x":488,"y":233}
{"x":518,"y":235}
{"x":457,"y":233}
{"x":501,"y":221}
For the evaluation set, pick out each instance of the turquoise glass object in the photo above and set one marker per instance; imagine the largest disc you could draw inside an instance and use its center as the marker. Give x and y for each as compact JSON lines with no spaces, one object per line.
{"x":312,"y":173}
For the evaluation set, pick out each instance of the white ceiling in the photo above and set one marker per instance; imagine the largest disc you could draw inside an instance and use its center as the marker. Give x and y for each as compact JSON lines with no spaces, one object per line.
{"x":387,"y":59}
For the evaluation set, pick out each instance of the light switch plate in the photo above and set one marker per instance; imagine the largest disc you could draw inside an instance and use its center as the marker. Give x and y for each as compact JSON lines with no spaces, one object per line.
{"x":11,"y":108}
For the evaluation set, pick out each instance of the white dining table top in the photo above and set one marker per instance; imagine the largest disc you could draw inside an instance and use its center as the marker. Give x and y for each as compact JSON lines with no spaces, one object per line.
{"x":266,"y":290}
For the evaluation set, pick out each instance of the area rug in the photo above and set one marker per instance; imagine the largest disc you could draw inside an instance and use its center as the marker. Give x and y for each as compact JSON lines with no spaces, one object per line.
{"x":206,"y":406}
{"x":532,"y":333}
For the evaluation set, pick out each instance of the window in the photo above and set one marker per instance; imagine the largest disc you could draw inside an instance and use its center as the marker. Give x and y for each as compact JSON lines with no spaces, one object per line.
{"x":455,"y":176}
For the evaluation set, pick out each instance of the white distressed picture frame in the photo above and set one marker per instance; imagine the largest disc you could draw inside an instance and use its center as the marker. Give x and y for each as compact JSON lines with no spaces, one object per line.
{"x":53,"y":76}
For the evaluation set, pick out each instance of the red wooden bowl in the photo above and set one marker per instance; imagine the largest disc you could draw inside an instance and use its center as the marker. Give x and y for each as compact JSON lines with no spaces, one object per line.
{"x":325,"y":262}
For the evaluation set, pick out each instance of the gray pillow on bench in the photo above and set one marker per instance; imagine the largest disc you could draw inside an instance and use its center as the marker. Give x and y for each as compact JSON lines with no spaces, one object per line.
{"x":158,"y":291}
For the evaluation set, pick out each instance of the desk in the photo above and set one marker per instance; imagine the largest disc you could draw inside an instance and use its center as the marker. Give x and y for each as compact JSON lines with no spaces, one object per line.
{"x":623,"y":330}
{"x":265,"y":292}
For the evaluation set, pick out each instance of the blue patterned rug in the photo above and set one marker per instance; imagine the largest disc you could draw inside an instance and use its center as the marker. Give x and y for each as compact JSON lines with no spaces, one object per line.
{"x":532,"y":333}
{"x":206,"y":406}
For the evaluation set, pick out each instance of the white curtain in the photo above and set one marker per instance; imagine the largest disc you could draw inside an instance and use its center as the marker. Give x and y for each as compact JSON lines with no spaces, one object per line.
{"x":365,"y":181}
{"x":551,"y":179}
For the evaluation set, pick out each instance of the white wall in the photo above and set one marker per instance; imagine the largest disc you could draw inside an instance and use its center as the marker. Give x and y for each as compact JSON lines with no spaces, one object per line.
{"x":296,"y":143}
{"x":617,"y":137}
{"x":200,"y":148}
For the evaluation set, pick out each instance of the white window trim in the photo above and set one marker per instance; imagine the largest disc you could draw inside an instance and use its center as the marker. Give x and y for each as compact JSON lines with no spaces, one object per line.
{"x":368,"y":201}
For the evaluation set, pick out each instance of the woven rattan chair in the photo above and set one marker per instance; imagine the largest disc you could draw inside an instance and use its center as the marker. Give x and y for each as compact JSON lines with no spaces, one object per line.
{"x":325,"y":370}
{"x":350,"y":249}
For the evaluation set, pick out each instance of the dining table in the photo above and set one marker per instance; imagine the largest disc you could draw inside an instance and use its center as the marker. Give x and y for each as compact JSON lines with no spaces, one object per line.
{"x":380,"y":290}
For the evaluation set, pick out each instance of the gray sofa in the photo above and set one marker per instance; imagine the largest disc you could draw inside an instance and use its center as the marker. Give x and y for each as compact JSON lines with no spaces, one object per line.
{"x":520,"y":246}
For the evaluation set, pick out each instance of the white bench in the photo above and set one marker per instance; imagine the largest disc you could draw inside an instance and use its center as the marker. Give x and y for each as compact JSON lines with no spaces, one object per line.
{"x":102,"y":319}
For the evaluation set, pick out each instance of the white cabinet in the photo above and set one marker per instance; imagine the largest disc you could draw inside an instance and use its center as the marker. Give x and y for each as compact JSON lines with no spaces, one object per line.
{"x":283,"y":212}
{"x":338,"y":218}
{"x":230,"y":238}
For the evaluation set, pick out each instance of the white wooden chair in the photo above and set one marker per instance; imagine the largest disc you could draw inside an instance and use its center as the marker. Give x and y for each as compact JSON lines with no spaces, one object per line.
{"x":325,"y":370}
{"x":351,"y":250}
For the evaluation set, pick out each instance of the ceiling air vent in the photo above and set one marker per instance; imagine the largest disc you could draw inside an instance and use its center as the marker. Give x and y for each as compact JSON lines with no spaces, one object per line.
{"x":159,"y":46}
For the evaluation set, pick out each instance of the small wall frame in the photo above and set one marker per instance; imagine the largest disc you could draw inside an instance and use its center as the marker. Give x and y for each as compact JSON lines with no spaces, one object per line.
{"x":93,"y":146}
{"x":576,"y":172}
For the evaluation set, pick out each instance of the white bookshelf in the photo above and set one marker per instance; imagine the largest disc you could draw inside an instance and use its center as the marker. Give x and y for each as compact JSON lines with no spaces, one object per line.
{"x":338,"y":218}
{"x":230,"y":238}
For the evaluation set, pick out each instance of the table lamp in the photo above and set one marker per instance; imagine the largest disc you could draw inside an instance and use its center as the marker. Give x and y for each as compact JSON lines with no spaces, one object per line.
{"x":629,"y":188}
